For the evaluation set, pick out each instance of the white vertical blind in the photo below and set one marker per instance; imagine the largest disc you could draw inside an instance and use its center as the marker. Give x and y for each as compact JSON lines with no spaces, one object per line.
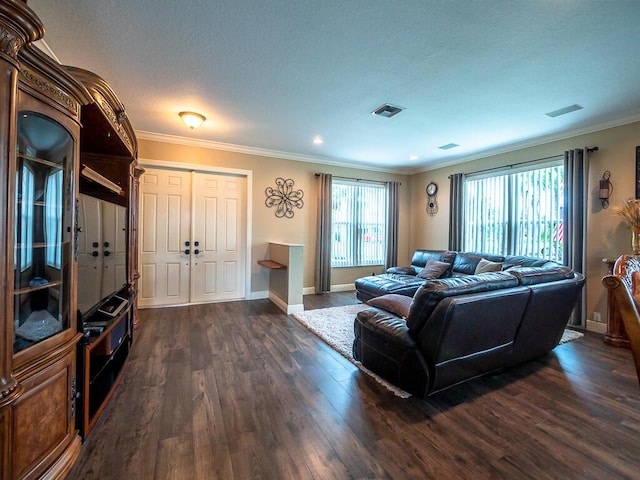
{"x":358,"y":223}
{"x":518,"y":213}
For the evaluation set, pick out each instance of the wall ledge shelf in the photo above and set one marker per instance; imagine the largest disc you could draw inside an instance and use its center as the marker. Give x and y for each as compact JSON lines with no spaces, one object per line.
{"x":272,"y":265}
{"x":284,"y":263}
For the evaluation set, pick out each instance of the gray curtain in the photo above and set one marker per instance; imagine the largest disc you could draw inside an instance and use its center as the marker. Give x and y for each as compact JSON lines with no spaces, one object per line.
{"x":323,"y":239}
{"x":392,"y":224}
{"x":574,"y":240}
{"x":456,"y":214}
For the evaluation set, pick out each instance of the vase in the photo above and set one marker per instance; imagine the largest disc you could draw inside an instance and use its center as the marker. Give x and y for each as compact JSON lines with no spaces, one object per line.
{"x":635,"y":240}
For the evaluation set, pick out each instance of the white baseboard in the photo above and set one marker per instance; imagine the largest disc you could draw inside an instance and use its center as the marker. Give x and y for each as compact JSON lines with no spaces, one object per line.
{"x":597,"y":327}
{"x":258,"y":295}
{"x":284,"y":306}
{"x":345,"y":287}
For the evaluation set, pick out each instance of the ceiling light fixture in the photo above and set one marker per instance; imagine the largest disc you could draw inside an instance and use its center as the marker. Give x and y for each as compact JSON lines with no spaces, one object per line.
{"x":317,"y":140}
{"x":413,"y":157}
{"x":192,"y":119}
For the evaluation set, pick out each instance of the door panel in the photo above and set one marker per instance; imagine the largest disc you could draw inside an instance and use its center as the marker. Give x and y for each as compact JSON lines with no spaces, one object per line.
{"x":114,"y":248}
{"x":165,"y":224}
{"x":89,"y":266}
{"x":212,"y":209}
{"x":218,"y":268}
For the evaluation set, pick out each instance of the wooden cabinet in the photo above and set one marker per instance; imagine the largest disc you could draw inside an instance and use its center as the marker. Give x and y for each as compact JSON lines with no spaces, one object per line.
{"x":53,"y":120}
{"x":102,"y":356}
{"x":39,"y":148}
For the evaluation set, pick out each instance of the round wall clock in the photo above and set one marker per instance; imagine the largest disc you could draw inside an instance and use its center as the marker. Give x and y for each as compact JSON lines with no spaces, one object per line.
{"x":432,"y":204}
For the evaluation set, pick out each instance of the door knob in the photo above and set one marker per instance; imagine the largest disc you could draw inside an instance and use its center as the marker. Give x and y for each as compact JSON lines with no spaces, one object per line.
{"x":196,"y":251}
{"x":196,"y":243}
{"x":186,"y":244}
{"x":186,"y":252}
{"x":94,"y":254}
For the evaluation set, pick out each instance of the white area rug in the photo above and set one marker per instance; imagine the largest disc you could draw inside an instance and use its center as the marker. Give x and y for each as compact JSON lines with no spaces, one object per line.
{"x":334,"y":325}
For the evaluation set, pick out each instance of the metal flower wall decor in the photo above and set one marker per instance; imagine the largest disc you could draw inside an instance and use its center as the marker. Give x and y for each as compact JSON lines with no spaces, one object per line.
{"x":284,"y":198}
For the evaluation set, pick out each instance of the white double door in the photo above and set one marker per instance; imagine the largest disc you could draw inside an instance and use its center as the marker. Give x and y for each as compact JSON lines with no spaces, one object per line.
{"x":192,"y":237}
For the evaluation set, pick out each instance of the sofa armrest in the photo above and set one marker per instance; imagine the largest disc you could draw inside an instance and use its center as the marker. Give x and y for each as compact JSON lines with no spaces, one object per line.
{"x":402,"y":270}
{"x":384,"y":346}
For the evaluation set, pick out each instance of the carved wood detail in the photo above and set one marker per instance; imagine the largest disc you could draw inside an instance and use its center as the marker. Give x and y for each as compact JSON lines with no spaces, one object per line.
{"x":10,"y":44}
{"x":116,"y":119}
{"x":50,"y":90}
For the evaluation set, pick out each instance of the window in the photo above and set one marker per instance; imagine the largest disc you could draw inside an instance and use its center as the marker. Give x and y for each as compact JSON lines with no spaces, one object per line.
{"x":53,"y":220}
{"x":358,"y":223}
{"x":517,"y":213}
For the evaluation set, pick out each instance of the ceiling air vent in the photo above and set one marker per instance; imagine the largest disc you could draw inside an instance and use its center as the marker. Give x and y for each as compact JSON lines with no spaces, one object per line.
{"x":448,"y":146}
{"x":564,"y":111}
{"x":387,"y":110}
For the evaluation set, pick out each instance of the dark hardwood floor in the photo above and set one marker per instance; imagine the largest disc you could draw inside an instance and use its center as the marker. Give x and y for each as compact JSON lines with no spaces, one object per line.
{"x":241,"y":391}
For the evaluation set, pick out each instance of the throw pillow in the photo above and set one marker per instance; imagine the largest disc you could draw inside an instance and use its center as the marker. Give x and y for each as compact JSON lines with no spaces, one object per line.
{"x":487,"y":266}
{"x":433,"y":269}
{"x":394,"y":303}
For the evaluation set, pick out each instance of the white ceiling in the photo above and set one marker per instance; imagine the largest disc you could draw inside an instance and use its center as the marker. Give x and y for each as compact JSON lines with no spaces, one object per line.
{"x":272,"y":74}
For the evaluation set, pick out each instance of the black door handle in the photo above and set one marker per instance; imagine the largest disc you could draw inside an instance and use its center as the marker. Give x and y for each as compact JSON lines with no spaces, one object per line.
{"x":186,"y":252}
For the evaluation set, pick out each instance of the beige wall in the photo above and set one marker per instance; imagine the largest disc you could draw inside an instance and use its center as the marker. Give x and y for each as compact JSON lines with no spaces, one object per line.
{"x":266,"y":227}
{"x":606,"y":235}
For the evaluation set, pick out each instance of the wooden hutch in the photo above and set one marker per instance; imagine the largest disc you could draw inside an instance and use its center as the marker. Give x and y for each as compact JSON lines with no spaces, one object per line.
{"x":54,"y":121}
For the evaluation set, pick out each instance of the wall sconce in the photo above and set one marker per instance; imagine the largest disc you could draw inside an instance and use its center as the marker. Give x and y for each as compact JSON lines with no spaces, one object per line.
{"x":606,"y":189}
{"x":192,"y":119}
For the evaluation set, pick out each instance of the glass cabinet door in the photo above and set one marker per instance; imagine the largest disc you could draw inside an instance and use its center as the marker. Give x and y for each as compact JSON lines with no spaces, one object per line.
{"x":43,"y":216}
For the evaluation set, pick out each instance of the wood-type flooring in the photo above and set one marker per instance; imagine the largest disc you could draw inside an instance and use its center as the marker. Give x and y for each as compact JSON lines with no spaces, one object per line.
{"x":240,"y":390}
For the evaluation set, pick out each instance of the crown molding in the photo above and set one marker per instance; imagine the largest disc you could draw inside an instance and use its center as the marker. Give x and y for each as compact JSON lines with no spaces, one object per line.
{"x":229,"y":147}
{"x":263,"y":152}
{"x":526,"y":144}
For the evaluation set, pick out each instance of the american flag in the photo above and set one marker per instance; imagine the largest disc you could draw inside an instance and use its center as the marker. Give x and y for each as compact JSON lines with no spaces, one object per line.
{"x":558,"y":232}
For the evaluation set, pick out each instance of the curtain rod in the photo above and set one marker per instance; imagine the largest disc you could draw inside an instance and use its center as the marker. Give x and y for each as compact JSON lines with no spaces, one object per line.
{"x":513,"y":165}
{"x":357,"y":179}
{"x":589,"y":150}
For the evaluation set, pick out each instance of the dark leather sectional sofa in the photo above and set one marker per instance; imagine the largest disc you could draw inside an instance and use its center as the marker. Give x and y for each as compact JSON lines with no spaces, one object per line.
{"x":464,"y":325}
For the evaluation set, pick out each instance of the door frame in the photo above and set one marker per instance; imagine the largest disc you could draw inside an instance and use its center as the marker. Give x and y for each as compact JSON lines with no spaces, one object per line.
{"x":211,"y":169}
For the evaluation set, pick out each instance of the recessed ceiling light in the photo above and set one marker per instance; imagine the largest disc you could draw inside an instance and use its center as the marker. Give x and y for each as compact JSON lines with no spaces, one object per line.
{"x":317,"y":140}
{"x":564,"y":111}
{"x":413,"y":157}
{"x":448,"y":146}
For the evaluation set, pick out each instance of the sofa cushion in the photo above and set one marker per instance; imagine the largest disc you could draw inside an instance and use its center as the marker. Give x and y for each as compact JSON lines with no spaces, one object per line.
{"x":466,"y":263}
{"x":522,"y":261}
{"x":488,"y":266}
{"x":535,"y":275}
{"x":429,"y":295}
{"x":377,"y":285}
{"x":394,"y":303}
{"x":401,"y":270}
{"x":434,"y":269}
{"x":420,"y":257}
